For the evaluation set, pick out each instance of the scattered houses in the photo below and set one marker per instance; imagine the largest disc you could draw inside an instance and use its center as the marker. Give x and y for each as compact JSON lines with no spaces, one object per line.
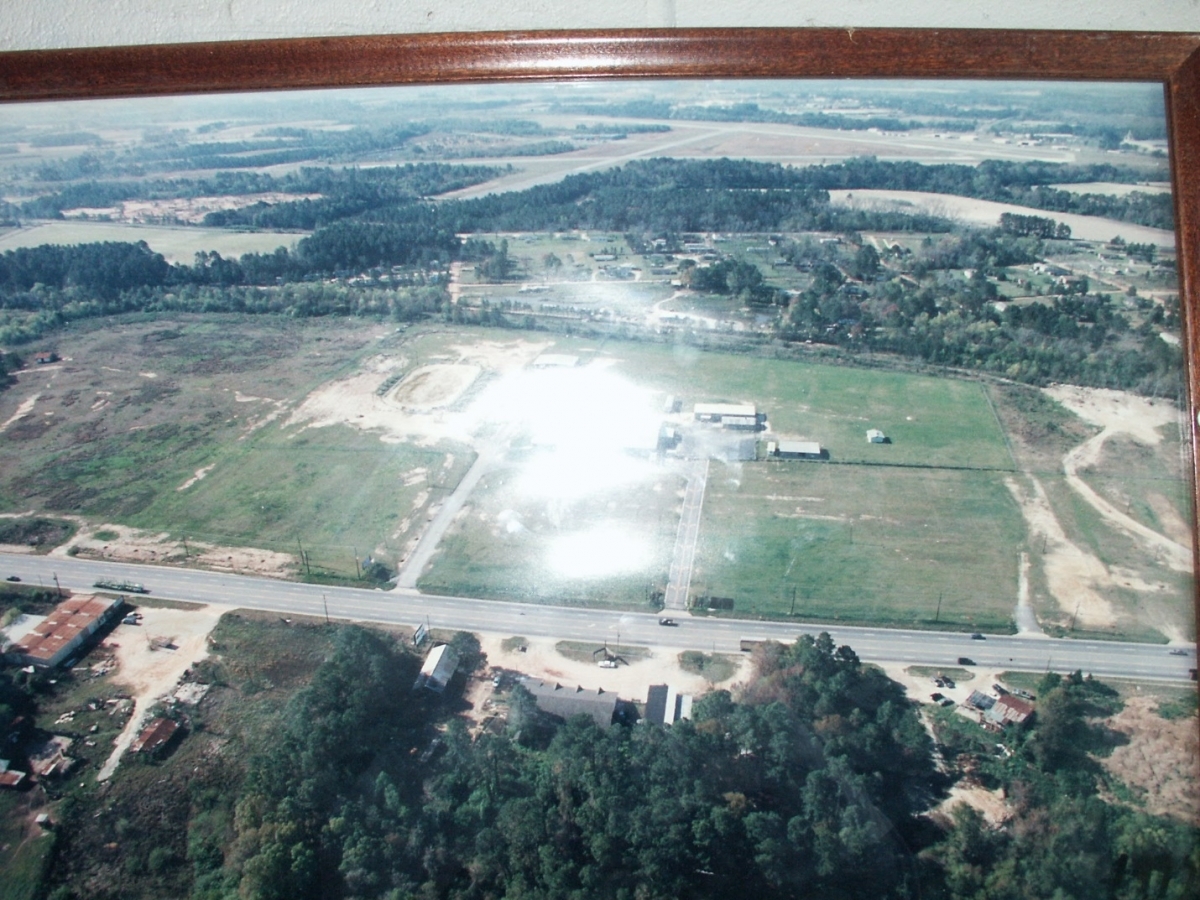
{"x":875,"y":436}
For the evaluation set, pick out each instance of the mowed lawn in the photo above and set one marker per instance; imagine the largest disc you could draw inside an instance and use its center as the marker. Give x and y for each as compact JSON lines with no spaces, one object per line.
{"x":609,"y":547}
{"x":861,"y":544}
{"x":930,"y":421}
{"x":332,"y":490}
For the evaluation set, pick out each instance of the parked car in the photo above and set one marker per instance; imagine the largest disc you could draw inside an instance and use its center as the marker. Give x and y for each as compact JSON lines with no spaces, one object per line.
{"x":671,"y":622}
{"x":607,"y":664}
{"x":935,"y":697}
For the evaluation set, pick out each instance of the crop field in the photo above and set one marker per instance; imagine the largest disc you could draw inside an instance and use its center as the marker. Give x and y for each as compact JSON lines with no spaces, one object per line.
{"x":177,"y":244}
{"x":860,"y":544}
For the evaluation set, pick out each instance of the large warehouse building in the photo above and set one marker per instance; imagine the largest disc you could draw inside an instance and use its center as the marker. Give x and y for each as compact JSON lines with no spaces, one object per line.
{"x":63,"y":633}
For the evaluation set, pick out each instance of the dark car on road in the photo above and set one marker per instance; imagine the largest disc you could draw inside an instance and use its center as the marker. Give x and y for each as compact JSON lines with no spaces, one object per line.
{"x":966,"y":661}
{"x":978,"y":637}
{"x":667,"y":622}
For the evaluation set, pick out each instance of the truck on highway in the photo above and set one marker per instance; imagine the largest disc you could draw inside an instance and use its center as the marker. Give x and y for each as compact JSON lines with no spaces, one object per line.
{"x":121,"y":587}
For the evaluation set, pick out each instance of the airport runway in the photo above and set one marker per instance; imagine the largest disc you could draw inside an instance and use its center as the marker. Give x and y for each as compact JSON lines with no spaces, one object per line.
{"x":1110,"y":659}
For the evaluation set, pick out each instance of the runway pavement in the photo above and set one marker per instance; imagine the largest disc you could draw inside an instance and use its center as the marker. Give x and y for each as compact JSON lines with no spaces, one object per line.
{"x":1111,"y":659}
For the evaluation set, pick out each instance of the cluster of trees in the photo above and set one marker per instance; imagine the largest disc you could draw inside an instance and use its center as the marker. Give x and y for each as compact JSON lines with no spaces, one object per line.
{"x":1064,"y":840}
{"x":807,"y":785}
{"x":813,"y":781}
{"x":930,"y":312}
{"x":1012,"y":223}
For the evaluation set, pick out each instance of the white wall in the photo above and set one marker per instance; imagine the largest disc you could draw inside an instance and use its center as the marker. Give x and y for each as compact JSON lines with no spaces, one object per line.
{"x":32,"y":24}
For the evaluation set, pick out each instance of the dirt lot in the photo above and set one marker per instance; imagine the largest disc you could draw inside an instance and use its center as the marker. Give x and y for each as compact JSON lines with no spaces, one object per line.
{"x":541,"y":660}
{"x":152,"y":658}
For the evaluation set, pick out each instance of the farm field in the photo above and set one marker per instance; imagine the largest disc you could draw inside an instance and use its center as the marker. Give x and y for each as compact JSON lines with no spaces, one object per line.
{"x":177,"y":244}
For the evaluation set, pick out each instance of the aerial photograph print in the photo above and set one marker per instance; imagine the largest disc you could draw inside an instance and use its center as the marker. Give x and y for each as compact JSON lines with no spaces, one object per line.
{"x":630,"y":490}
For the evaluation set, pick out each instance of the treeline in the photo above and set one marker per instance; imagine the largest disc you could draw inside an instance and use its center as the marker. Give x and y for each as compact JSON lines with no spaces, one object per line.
{"x":344,"y":193}
{"x":752,"y":112}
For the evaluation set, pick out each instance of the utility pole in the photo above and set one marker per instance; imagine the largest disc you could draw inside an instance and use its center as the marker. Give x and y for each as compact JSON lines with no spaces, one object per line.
{"x":185,"y":548}
{"x":1074,"y":614}
{"x":793,"y":612}
{"x":357,"y":570}
{"x":325,"y":603}
{"x":938,"y":615}
{"x":57,"y":586}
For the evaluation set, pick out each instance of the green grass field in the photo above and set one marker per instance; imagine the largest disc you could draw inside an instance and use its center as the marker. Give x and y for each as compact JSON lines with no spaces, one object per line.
{"x":335,"y":490}
{"x":23,"y":852}
{"x":931,"y":421}
{"x":861,"y":544}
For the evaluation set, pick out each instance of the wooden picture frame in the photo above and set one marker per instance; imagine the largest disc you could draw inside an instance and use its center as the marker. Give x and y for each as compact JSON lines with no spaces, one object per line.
{"x":1170,"y":58}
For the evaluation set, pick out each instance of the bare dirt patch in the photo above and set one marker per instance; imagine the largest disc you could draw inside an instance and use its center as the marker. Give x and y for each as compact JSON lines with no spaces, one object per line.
{"x":151,"y":659}
{"x":990,"y":804}
{"x":132,"y":545}
{"x":1161,"y":761}
{"x":436,"y":385}
{"x":541,"y":660}
{"x":1073,"y":574}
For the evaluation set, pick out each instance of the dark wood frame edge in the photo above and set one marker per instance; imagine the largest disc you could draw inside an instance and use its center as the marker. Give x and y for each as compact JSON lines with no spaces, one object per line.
{"x":1172,"y":58}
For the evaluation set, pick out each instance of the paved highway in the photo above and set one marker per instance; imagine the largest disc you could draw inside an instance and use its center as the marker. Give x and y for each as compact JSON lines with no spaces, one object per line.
{"x":1109,"y":659}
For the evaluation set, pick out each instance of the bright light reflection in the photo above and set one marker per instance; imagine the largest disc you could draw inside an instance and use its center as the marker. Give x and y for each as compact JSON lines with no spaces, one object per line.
{"x":598,"y":552}
{"x":593,"y":429}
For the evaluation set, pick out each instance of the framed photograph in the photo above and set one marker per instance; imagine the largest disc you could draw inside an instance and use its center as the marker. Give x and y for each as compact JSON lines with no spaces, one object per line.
{"x":615,"y":464}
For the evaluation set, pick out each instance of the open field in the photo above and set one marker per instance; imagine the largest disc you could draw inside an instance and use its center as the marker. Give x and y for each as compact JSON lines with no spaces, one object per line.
{"x":173,"y":426}
{"x":177,"y":244}
{"x":608,"y":548}
{"x":861,"y":544}
{"x":237,"y":443}
{"x":987,"y":212}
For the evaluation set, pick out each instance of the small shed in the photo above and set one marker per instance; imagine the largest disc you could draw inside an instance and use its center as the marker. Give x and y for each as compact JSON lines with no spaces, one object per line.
{"x":154,"y":736}
{"x":665,"y":705}
{"x":439,"y":667}
{"x":1009,"y":710}
{"x":875,"y":436}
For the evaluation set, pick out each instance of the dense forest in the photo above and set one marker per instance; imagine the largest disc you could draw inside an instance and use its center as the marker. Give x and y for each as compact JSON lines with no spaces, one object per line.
{"x":814,"y":781}
{"x":367,"y":222}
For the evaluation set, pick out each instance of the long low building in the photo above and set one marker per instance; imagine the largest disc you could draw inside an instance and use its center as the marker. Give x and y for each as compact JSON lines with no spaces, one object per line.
{"x":63,"y":633}
{"x":718,"y":412}
{"x":566,"y":703}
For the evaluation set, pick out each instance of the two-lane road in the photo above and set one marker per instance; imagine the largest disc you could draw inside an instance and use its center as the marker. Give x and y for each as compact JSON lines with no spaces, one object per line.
{"x":1110,"y":659}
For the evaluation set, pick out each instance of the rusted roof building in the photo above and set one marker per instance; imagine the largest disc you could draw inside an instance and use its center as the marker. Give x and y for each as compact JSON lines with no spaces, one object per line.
{"x":1009,"y":710}
{"x":64,"y":632}
{"x":154,"y":736}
